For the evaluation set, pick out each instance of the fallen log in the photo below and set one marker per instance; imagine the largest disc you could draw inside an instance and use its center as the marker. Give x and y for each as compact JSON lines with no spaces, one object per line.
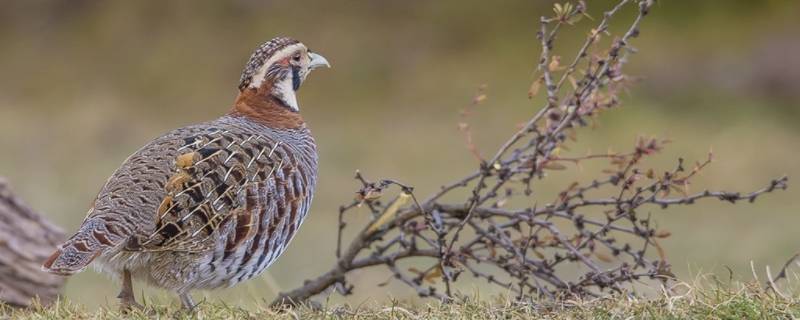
{"x":26,"y":240}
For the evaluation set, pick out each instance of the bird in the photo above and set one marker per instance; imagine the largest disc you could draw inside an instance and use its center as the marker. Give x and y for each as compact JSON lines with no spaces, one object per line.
{"x":209,"y":205}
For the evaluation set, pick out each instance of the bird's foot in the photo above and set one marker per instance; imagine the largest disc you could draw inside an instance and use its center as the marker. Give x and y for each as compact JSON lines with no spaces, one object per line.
{"x":126,"y":298}
{"x":127,"y":305}
{"x":188,"y":303}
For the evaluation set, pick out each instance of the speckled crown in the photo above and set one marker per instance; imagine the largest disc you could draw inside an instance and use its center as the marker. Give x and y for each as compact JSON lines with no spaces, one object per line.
{"x":260,"y":56}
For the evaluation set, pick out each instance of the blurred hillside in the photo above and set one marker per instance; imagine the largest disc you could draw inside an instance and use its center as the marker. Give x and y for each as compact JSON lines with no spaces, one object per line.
{"x":85,"y":83}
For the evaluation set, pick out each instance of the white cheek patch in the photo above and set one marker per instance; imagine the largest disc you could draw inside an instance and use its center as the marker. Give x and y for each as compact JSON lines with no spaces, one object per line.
{"x":285,"y":91}
{"x":258,"y":78}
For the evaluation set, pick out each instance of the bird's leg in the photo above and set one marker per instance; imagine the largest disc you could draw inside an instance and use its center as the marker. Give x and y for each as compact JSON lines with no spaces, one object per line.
{"x":187,"y":301}
{"x":126,"y":298}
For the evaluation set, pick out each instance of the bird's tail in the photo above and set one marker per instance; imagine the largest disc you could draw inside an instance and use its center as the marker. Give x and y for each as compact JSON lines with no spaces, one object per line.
{"x":78,"y":251}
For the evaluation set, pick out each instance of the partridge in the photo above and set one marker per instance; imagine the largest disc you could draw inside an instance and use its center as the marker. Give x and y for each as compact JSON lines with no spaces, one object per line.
{"x":208,"y":205}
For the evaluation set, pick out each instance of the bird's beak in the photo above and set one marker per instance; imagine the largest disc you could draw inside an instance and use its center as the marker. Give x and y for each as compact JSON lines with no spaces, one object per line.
{"x":317,"y":61}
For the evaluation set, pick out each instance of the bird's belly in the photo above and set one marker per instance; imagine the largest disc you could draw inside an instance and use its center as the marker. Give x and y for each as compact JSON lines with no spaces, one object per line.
{"x":251,"y":258}
{"x":115,"y":261}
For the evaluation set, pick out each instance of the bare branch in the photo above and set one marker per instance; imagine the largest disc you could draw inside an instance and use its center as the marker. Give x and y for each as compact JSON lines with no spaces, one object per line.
{"x":501,"y":231}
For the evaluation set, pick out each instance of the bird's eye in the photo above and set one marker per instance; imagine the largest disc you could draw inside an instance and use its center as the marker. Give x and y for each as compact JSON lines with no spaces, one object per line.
{"x":296,"y":57}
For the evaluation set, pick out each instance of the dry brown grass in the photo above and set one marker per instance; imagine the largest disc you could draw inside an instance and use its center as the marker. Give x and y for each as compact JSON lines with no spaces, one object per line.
{"x":706,"y":298}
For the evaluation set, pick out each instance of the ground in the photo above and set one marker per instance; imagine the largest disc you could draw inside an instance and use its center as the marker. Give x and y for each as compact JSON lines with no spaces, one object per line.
{"x":711,"y":300}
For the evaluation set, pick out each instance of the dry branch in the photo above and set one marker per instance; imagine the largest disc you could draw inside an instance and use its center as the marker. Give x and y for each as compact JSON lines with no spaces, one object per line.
{"x":595,"y":237}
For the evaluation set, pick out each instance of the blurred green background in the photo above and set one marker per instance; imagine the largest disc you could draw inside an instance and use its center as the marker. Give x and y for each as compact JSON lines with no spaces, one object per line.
{"x":85,"y":83}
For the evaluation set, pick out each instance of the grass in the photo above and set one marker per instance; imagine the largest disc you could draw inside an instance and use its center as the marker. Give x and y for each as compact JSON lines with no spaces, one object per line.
{"x":707,"y":300}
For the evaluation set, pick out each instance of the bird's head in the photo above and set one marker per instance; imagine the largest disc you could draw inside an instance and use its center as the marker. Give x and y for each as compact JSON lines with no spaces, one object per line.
{"x":278,"y":68}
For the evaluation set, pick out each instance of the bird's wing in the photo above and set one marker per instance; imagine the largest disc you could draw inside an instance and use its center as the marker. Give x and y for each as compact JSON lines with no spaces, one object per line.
{"x":220,"y":179}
